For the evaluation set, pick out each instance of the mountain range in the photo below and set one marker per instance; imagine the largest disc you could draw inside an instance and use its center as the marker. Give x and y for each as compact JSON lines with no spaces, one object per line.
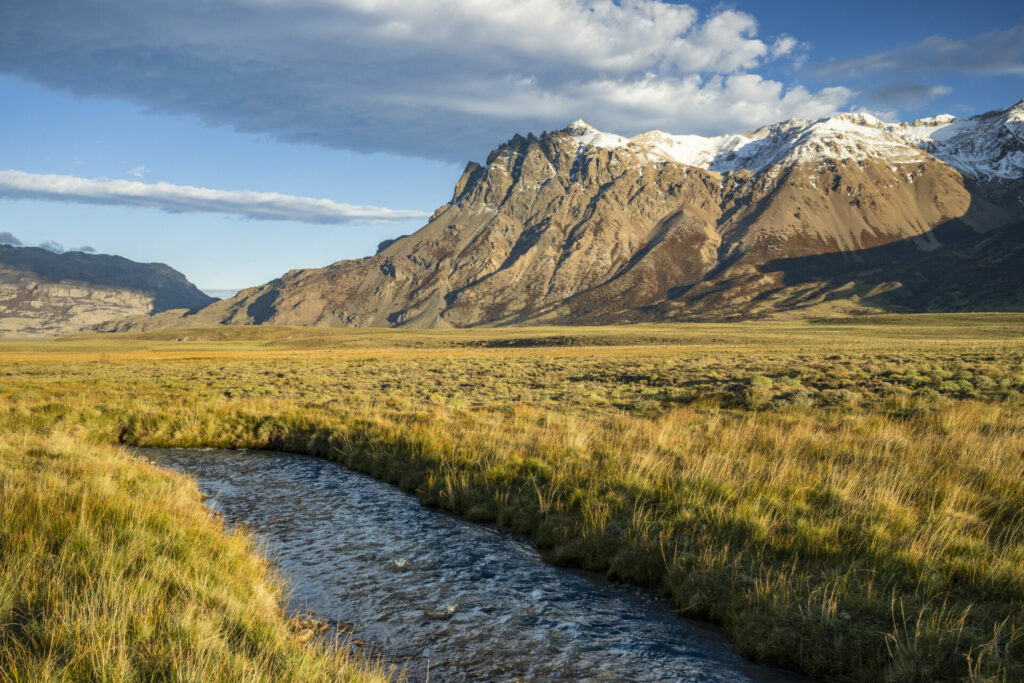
{"x":842,"y":215}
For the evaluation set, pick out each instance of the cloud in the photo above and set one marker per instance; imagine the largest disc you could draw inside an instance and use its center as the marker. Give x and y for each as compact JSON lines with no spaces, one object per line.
{"x":739,"y":97}
{"x":184,"y":198}
{"x":904,"y":95}
{"x":994,"y":53}
{"x":433,"y":78}
{"x":9,"y":239}
{"x":50,"y":245}
{"x":783,"y":46}
{"x":137,"y":172}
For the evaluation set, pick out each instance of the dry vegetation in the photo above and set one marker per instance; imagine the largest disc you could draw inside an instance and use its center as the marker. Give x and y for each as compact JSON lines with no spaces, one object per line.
{"x":845,"y":498}
{"x":113,"y":570}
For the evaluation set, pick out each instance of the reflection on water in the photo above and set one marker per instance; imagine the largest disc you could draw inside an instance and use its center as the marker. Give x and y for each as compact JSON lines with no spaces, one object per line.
{"x":470,"y":602}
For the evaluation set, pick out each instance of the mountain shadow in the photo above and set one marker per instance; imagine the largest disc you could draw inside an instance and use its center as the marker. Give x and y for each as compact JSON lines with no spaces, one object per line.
{"x":962,"y":270}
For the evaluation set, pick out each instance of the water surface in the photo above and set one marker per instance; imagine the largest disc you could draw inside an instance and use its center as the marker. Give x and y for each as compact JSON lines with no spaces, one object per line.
{"x":466,"y":600}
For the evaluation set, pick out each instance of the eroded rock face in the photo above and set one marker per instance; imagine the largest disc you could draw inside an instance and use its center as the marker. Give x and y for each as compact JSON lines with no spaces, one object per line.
{"x":579,"y":226}
{"x":47,"y":294}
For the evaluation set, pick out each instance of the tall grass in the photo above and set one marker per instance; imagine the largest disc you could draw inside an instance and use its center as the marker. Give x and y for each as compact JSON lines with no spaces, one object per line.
{"x":114,"y":570}
{"x":841,"y":504}
{"x":839,"y":544}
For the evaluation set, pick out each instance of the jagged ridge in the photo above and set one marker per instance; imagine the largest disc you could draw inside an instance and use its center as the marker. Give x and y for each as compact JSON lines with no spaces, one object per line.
{"x":583,"y":226}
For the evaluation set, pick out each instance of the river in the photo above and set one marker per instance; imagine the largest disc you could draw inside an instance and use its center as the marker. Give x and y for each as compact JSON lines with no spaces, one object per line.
{"x":463,"y":601}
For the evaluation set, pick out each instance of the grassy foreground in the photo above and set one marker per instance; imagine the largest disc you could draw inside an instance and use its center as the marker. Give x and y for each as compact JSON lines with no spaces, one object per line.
{"x":113,"y":570}
{"x":846,"y":499}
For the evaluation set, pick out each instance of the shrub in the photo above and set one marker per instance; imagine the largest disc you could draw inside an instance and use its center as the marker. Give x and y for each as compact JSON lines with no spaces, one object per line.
{"x":839,"y":397}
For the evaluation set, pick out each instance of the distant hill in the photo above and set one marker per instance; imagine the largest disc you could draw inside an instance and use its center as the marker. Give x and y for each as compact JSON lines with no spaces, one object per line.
{"x":843,"y":215}
{"x":45,"y":294}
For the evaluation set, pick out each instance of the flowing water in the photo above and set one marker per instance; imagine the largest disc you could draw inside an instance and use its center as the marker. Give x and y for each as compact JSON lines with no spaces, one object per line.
{"x":463,"y":601}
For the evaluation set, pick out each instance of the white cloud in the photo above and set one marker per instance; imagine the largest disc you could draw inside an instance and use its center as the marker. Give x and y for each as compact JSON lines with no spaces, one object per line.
{"x":413,"y":77}
{"x":783,"y":46}
{"x":743,"y":100}
{"x":184,"y":198}
{"x":137,"y":172}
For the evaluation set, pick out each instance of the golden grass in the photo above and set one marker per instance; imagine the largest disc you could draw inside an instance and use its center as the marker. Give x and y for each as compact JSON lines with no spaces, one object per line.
{"x":845,"y":499}
{"x":114,"y":570}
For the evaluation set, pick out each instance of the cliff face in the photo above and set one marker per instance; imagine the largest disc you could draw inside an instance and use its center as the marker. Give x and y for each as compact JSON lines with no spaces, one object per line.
{"x":47,"y":294}
{"x":839,"y":215}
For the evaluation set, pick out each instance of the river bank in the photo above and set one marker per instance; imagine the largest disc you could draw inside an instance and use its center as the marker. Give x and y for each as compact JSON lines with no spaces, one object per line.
{"x":114,"y":570}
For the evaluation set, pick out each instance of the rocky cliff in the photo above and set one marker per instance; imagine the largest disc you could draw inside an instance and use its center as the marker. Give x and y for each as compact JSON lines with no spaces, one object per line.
{"x":48,"y":294}
{"x":844,"y":214}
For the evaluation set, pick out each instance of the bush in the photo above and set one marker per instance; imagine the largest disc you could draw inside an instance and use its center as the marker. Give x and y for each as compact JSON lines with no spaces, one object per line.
{"x":840,"y":397}
{"x":757,"y":397}
{"x":928,"y":394}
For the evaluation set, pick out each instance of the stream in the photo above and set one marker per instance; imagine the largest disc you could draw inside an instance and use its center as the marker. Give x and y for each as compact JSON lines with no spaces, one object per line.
{"x":457,"y":600}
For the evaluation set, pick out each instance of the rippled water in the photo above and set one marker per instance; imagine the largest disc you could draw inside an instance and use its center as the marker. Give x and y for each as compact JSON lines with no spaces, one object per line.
{"x":469,"y":601}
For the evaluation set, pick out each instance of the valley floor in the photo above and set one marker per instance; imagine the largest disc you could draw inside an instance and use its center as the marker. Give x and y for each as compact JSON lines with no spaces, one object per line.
{"x":845,"y":498}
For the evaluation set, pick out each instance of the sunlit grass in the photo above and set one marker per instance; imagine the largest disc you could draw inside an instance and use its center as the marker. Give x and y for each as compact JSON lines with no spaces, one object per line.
{"x":114,"y":570}
{"x":845,"y":499}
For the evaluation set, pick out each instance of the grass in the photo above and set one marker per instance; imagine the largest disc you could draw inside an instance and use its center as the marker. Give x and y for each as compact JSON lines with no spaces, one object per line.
{"x":844,"y":499}
{"x":113,"y":570}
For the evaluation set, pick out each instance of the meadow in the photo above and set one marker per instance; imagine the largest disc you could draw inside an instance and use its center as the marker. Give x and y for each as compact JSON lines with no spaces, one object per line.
{"x":845,"y":497}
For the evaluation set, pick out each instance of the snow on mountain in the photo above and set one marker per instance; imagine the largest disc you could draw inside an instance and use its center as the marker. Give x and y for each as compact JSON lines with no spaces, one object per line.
{"x":842,"y":136}
{"x":580,"y":226}
{"x":585,"y":134}
{"x":988,"y":146}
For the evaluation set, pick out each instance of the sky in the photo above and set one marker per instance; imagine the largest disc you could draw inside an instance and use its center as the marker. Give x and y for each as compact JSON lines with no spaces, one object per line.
{"x":237,"y":139}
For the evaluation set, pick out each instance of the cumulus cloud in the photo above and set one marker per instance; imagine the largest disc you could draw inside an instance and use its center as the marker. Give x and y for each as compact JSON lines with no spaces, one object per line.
{"x":184,"y":198}
{"x":739,"y":97}
{"x":9,"y":239}
{"x":994,"y":53}
{"x":432,"y":78}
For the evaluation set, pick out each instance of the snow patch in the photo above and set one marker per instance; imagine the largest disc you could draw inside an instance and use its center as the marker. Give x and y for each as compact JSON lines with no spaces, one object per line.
{"x":846,"y":136}
{"x":986,"y":146}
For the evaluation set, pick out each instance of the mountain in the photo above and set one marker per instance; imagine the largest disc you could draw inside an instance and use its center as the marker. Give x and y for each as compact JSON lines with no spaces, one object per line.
{"x":45,"y":294}
{"x":841,"y":215}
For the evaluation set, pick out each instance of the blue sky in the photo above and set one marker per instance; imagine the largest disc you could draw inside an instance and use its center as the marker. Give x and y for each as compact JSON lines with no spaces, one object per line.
{"x":380,"y":104}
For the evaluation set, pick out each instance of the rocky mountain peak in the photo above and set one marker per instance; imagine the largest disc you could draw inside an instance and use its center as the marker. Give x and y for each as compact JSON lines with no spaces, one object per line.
{"x":580,"y":127}
{"x":856,"y":118}
{"x":1016,"y":113}
{"x":932,"y":121}
{"x":584,"y":226}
